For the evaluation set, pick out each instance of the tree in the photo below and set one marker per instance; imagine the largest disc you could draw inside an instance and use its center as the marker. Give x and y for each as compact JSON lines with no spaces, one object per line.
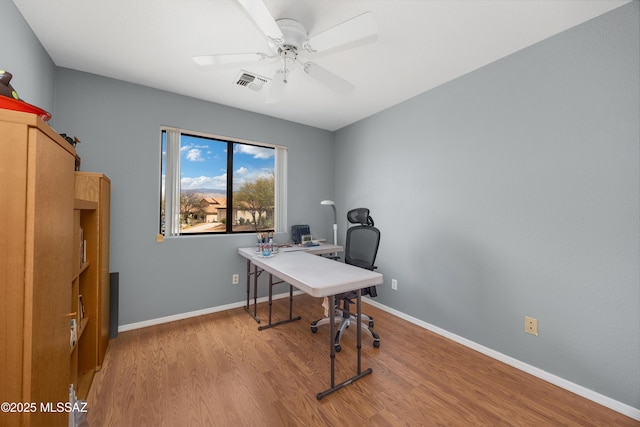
{"x":257,"y":198}
{"x":188,"y":201}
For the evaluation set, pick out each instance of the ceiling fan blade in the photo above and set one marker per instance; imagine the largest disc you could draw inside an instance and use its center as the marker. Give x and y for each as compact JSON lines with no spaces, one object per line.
{"x":231,"y":58}
{"x":357,"y":29}
{"x":327,"y":78}
{"x":276,"y":87}
{"x":263,"y":19}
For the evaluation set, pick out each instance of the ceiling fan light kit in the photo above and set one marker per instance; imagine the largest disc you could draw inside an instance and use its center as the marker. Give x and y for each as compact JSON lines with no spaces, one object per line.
{"x":295,"y":35}
{"x":289,"y":42}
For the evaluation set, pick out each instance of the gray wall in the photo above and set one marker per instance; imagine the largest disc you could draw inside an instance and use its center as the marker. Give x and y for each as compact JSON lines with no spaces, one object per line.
{"x":119,"y":126}
{"x":23,"y":56}
{"x":513,"y":191}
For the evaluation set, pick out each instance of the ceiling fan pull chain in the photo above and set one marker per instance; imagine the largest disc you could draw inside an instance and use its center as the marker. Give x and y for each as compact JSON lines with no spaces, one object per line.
{"x":285,"y":67}
{"x":283,"y":58}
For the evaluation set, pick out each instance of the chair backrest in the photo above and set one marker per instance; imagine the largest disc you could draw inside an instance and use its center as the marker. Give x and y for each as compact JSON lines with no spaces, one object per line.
{"x":362,"y":240}
{"x":362,"y":246}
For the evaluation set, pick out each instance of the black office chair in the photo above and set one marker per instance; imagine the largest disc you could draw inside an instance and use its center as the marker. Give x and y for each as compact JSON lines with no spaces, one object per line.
{"x":361,"y":250}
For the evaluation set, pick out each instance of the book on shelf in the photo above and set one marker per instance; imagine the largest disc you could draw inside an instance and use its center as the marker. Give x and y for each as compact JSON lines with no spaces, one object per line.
{"x":82,"y":252}
{"x":81,"y":313}
{"x":81,"y":306}
{"x":74,"y":333}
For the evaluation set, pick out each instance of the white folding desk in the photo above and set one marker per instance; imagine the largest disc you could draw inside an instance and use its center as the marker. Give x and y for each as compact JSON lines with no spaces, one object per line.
{"x":322,"y":277}
{"x":250,"y":253}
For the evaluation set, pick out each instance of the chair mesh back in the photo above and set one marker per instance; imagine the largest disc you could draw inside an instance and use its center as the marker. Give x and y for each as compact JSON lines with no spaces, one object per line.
{"x":362,"y":246}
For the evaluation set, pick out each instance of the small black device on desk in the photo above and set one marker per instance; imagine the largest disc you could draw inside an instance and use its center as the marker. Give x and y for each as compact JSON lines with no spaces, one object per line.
{"x":297,"y":231}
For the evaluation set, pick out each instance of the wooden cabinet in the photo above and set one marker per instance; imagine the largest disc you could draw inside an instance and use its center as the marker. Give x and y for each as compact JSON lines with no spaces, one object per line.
{"x":90,"y":287}
{"x":54,"y":252}
{"x":36,"y":216}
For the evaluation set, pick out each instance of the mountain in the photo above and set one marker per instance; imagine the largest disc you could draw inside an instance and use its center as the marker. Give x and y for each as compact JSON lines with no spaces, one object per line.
{"x":207,"y":192}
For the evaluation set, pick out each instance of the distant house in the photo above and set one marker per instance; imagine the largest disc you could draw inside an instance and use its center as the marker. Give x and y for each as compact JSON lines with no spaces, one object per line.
{"x":245,"y":216}
{"x":212,"y":209}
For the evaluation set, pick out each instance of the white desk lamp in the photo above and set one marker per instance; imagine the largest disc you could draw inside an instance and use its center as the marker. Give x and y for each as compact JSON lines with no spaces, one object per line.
{"x":325,"y":302}
{"x":335,"y":219}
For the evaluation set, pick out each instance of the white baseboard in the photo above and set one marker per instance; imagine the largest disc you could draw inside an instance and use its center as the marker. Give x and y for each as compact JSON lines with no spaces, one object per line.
{"x":603,"y":400}
{"x":196,"y":313}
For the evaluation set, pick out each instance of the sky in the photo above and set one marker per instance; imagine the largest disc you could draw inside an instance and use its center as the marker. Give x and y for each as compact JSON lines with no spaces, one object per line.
{"x":203,"y":163}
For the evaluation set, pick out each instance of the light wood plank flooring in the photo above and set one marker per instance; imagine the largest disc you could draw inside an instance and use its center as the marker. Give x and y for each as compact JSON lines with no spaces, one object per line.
{"x":219,"y":370}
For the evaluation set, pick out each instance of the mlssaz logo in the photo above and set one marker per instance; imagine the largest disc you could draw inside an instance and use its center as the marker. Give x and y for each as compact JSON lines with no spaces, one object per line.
{"x":78,"y":406}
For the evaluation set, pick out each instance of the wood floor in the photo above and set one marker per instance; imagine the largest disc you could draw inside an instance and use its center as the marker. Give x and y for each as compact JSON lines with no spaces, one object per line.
{"x":219,"y":370}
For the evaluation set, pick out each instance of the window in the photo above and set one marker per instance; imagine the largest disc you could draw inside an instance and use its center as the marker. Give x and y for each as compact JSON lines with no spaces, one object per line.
{"x":199,"y":195}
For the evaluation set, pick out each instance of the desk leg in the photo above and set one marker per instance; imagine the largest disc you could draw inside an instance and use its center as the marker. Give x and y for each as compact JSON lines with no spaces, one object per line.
{"x":291,"y":318}
{"x":359,"y":328}
{"x":255,"y":290}
{"x":270,"y":295}
{"x":290,"y":301}
{"x":360,"y":373}
{"x":332,"y":340}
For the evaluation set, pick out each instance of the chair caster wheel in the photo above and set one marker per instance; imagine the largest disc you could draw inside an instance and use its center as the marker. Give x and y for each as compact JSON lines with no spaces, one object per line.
{"x":314,"y":329}
{"x":338,"y":348}
{"x":371,"y":323}
{"x":376,"y":344}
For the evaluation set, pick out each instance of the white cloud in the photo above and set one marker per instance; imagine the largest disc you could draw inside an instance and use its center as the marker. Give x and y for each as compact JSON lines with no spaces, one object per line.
{"x":195,"y":155}
{"x":255,"y":152}
{"x":217,"y":182}
{"x":243,"y":175}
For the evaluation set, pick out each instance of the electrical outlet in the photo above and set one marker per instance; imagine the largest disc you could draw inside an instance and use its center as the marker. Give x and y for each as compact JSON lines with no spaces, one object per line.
{"x":394,"y":284}
{"x":236,"y":279}
{"x":531,"y":325}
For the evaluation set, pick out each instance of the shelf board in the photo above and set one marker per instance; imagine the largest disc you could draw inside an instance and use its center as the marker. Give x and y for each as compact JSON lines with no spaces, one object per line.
{"x":85,"y":204}
{"x":84,"y":383}
{"x":85,"y":322}
{"x":83,"y":267}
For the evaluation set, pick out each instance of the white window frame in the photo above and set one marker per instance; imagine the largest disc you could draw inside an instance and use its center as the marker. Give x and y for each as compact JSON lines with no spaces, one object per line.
{"x":172,"y":180}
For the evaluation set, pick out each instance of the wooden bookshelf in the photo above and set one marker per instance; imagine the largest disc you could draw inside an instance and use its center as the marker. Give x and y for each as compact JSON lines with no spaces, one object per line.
{"x":91,"y":207}
{"x":45,"y":205}
{"x":83,"y":351}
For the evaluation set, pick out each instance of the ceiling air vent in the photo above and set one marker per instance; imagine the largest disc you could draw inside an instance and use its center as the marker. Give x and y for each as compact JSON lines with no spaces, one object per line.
{"x":251,"y":80}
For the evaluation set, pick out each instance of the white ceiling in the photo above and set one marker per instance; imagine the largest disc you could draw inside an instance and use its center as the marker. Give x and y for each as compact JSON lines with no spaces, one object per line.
{"x":421,"y":44}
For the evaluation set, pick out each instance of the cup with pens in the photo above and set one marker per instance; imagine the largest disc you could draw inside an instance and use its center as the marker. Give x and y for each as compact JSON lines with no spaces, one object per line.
{"x":266,"y":250}
{"x":265,"y":245}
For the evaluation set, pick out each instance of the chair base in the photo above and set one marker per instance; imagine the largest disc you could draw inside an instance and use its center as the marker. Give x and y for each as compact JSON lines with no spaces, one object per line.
{"x":345,"y":320}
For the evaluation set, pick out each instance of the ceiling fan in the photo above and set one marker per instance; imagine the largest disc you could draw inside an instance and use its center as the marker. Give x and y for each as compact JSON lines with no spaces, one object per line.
{"x":289,"y":42}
